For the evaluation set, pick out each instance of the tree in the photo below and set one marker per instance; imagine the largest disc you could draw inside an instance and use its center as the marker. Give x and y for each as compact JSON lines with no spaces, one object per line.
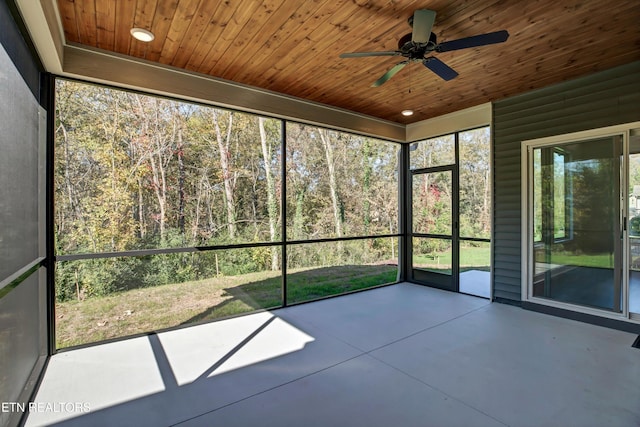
{"x":158,"y":129}
{"x":225,"y":164}
{"x":333,"y":185}
{"x":272,"y":206}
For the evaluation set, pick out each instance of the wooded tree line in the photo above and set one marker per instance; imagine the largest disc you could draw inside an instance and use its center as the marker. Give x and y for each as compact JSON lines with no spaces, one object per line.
{"x":136,"y":172}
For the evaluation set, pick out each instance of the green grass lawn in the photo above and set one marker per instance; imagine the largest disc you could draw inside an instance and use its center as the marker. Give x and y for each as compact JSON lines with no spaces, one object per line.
{"x":471,"y":258}
{"x":596,"y":260}
{"x":159,"y":307}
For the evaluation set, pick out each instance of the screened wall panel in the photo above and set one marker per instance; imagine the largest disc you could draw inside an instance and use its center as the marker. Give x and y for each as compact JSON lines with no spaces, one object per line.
{"x":161,"y":201}
{"x":339,"y":184}
{"x":603,"y":99}
{"x":23,"y":311}
{"x":475,"y":183}
{"x":135,"y":171}
{"x":318,"y":270}
{"x":22,"y":338}
{"x":124,"y":296}
{"x":433,"y":152}
{"x":19,"y":169}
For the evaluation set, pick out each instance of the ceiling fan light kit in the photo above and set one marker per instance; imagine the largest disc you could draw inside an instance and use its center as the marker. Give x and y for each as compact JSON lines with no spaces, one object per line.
{"x":422,"y":43}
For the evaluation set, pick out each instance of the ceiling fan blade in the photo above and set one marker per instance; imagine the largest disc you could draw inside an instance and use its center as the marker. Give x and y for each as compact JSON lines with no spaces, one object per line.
{"x":423,"y":20}
{"x":440,"y":68}
{"x":392,"y":72}
{"x":363,"y":54}
{"x":474,"y":41}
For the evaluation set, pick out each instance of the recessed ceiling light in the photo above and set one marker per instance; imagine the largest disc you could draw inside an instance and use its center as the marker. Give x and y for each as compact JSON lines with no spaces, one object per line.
{"x":407,"y":113}
{"x":142,"y":34}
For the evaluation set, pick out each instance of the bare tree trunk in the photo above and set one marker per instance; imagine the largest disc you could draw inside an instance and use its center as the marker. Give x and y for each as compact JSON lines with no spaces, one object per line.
{"x":155,"y":147}
{"x":141,"y":220}
{"x":160,"y":189}
{"x":333,"y":185}
{"x":393,"y":251}
{"x":136,"y":154}
{"x":115,"y":208}
{"x":225,"y":157}
{"x":67,"y":178}
{"x":74,"y":205}
{"x":426,"y":205}
{"x":485,"y":205}
{"x":271,"y":193}
{"x":77,"y":281}
{"x":210,"y":208}
{"x":67,"y":161}
{"x":298,"y":217}
{"x":196,"y":223}
{"x":181,"y":173}
{"x":366,"y":186}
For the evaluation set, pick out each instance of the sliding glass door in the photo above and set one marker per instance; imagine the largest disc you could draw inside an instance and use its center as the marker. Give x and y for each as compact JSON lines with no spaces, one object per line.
{"x":577,"y":233}
{"x":581,"y":229}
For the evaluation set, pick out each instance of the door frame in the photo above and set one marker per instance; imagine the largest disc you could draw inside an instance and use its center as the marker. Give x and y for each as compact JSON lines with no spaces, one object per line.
{"x":451,"y":281}
{"x":527,"y":217}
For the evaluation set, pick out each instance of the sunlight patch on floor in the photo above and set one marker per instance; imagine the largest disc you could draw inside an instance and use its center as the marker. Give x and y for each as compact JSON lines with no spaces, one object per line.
{"x":214,"y":348}
{"x":110,"y":374}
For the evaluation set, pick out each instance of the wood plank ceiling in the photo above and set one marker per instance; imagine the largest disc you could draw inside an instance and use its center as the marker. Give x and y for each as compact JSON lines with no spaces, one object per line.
{"x":293,"y":46}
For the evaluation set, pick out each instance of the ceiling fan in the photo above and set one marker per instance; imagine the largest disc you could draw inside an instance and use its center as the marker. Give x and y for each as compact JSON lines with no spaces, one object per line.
{"x":421,"y":42}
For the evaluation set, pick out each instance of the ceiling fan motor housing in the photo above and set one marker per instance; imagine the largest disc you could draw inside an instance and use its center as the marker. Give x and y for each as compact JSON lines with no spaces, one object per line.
{"x":416,"y":50}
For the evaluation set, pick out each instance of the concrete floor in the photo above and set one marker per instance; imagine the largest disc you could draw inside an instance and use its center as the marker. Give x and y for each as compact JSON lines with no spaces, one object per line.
{"x":476,"y":282}
{"x":403,"y":355}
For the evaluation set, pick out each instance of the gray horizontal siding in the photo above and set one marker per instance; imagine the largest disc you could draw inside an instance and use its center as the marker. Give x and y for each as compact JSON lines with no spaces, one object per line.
{"x":603,"y":99}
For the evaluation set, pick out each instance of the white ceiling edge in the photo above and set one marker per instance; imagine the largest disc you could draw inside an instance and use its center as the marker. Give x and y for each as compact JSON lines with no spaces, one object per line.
{"x":42,"y":20}
{"x":469,"y":118}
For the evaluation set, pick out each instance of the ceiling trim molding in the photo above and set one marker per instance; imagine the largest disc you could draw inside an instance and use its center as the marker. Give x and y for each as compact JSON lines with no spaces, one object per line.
{"x":469,"y":118}
{"x":45,"y":29}
{"x":136,"y":74}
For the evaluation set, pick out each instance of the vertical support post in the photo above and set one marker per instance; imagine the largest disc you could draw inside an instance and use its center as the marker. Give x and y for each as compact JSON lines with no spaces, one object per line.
{"x":47,"y":96}
{"x":404,"y":214}
{"x":455,"y":215}
{"x":283,"y":208}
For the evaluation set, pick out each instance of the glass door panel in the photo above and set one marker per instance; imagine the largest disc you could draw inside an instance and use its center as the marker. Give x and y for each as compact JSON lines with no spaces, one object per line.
{"x":577,"y":223}
{"x":434,"y":253}
{"x":432,"y":203}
